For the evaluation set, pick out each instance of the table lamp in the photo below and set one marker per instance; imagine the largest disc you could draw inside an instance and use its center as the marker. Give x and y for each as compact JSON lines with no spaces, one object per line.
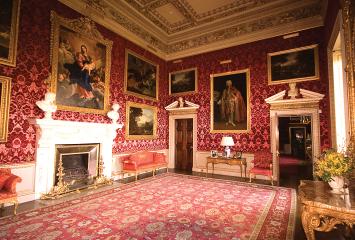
{"x":227,"y":142}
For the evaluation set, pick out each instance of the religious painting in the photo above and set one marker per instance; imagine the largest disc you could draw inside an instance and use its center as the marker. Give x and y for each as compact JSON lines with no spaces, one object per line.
{"x":141,"y":121}
{"x":9,"y":20}
{"x":5,"y":92}
{"x":141,"y":76}
{"x":81,"y":62}
{"x":294,"y":65}
{"x":230,"y":105}
{"x":183,"y":82}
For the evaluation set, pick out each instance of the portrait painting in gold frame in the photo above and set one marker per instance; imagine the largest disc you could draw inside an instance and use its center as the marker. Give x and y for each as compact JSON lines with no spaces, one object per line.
{"x":141,"y":121}
{"x":141,"y":76}
{"x":230,"y":104}
{"x":81,"y":62}
{"x":5,"y":93}
{"x":293,"y":65}
{"x":9,"y":21}
{"x":183,"y":82}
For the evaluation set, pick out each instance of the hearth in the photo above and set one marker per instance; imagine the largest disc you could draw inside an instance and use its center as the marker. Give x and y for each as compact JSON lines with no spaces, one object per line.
{"x":78,"y":163}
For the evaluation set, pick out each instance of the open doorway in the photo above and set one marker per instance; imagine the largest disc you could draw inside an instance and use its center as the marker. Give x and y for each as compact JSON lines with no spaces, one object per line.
{"x":295,"y":148}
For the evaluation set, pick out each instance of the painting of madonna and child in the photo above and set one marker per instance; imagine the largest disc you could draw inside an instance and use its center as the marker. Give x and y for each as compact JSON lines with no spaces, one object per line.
{"x":230,"y":102}
{"x":82,"y":79}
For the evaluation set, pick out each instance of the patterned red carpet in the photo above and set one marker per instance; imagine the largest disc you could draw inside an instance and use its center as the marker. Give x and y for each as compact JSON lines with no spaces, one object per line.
{"x":169,"y":206}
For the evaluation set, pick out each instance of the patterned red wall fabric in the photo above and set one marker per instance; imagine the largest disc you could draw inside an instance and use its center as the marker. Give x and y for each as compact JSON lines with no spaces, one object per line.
{"x":252,"y":56}
{"x":33,"y":68}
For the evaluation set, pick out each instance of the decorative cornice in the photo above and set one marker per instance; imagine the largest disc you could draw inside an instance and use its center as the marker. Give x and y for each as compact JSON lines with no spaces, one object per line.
{"x":141,"y":28}
{"x":246,"y":28}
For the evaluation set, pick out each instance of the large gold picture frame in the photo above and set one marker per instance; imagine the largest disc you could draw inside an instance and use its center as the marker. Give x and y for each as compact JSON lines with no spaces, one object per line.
{"x":141,"y":121}
{"x":230,"y":104}
{"x":293,"y":65}
{"x":9,"y":15}
{"x":81,"y":63}
{"x":141,"y":76}
{"x":5,"y":93}
{"x":183,"y":82}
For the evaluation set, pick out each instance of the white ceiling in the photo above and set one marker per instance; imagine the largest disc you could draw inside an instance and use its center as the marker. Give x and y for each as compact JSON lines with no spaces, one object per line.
{"x":177,"y":28}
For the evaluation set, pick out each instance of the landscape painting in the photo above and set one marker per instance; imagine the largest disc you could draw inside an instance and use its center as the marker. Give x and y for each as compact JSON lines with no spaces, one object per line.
{"x":183,"y":82}
{"x":9,"y":20}
{"x":141,"y":121}
{"x":294,"y":65}
{"x":230,"y":105}
{"x":81,"y":66}
{"x":141,"y":76}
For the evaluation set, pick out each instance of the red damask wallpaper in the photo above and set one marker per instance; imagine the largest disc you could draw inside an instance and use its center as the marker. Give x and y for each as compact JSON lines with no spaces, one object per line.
{"x":252,"y":56}
{"x":33,"y":68}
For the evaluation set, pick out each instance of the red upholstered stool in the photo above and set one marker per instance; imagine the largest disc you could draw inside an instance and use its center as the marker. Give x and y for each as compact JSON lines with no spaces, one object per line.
{"x":8,"y":183}
{"x":262,"y":165}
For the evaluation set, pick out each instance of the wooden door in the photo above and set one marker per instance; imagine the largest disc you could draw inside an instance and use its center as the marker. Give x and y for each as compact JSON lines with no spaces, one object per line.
{"x":183,"y":144}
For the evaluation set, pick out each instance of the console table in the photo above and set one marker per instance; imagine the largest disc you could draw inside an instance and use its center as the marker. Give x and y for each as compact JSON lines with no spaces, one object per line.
{"x":229,"y":161}
{"x":322,"y":209}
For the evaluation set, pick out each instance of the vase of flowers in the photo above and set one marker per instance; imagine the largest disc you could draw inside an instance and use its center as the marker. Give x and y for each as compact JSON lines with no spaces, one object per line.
{"x":332,"y":167}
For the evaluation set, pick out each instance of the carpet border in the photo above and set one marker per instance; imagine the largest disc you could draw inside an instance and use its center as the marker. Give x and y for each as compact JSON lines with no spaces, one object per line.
{"x":123,"y":186}
{"x":292,"y":218}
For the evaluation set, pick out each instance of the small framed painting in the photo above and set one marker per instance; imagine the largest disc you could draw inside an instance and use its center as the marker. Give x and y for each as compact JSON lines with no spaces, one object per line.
{"x":141,"y":121}
{"x":81,"y":63}
{"x":238,"y":155}
{"x":5,"y":92}
{"x":183,"y":82}
{"x":141,"y":76}
{"x":293,"y":65}
{"x":230,"y":104}
{"x":214,"y":153}
{"x":9,"y":21}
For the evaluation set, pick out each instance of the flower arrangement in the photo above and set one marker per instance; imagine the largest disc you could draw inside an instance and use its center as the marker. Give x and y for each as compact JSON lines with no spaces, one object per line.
{"x":332,"y":164}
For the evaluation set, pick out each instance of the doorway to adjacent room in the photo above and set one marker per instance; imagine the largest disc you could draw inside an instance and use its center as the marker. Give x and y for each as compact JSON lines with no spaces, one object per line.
{"x":184,"y":144}
{"x":295,"y":149}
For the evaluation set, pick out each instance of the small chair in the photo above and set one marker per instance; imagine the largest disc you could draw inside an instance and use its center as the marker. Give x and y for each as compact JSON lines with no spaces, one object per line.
{"x":8,"y":183}
{"x":262,"y":165}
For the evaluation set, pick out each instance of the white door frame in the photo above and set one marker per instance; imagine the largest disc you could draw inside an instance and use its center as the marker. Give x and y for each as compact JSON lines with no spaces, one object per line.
{"x":275,"y":113}
{"x":172,"y":127}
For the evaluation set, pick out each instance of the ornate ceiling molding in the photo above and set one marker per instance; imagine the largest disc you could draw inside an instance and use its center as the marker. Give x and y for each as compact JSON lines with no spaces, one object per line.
{"x":232,"y":24}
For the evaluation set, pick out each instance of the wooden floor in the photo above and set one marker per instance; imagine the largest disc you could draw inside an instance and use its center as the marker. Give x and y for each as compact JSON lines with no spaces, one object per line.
{"x":291,"y":183}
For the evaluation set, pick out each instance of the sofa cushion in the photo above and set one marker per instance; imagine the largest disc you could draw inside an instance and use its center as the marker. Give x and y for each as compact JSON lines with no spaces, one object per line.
{"x":6,"y":194}
{"x":261,"y":171}
{"x":3,"y":179}
{"x":142,"y":158}
{"x":10,"y":184}
{"x":159,"y":158}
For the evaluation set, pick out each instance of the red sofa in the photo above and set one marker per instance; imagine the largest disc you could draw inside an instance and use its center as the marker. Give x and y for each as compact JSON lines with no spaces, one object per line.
{"x":8,"y":183}
{"x":143,"y":162}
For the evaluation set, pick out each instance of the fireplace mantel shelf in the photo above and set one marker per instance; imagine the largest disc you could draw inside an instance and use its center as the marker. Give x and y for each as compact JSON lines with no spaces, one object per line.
{"x":52,"y":122}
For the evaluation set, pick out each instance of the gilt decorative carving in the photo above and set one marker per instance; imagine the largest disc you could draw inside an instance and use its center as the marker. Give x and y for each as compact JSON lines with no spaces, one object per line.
{"x":348,"y":8}
{"x":323,"y":210}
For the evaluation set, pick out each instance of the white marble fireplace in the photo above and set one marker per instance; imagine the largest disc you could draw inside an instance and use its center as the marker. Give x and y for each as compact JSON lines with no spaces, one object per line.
{"x":51,"y":132}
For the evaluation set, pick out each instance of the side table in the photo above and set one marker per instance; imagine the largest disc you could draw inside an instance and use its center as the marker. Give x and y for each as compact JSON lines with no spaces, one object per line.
{"x":241,"y":162}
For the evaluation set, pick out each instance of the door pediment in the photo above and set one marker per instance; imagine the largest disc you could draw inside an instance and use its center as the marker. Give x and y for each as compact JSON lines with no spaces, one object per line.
{"x":295,"y":98}
{"x":182,"y":107}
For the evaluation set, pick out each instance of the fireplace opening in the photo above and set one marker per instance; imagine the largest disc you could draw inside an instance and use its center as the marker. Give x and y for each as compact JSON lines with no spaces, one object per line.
{"x":77,"y":164}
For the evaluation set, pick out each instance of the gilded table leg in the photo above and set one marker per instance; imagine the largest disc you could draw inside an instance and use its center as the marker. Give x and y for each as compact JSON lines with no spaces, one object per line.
{"x":241,"y":170}
{"x":212,"y":168}
{"x":206,"y":168}
{"x":307,"y":224}
{"x":245,"y":170}
{"x":15,"y":207}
